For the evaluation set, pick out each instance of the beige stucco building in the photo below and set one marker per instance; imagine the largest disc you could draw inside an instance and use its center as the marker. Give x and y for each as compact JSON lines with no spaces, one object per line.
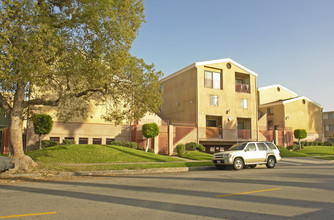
{"x":218,"y":97}
{"x":92,"y":129}
{"x":328,"y":120}
{"x":281,"y":109}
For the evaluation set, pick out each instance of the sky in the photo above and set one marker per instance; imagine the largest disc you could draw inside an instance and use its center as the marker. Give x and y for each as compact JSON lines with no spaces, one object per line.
{"x":286,"y":42}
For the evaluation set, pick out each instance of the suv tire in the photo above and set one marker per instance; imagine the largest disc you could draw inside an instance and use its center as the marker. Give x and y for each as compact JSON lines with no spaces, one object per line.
{"x":271,"y":162}
{"x":238,"y":164}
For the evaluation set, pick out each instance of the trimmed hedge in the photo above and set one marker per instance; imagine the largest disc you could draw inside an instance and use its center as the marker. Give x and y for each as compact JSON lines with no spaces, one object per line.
{"x":180,"y":149}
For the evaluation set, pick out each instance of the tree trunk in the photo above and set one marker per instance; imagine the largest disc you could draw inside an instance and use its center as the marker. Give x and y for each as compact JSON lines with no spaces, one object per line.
{"x":21,"y":161}
{"x":40,"y":142}
{"x":147,"y":143}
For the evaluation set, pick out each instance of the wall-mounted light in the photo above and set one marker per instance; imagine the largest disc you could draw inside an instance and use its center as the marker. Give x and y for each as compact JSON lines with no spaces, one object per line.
{"x":287,"y":117}
{"x":228,"y":111}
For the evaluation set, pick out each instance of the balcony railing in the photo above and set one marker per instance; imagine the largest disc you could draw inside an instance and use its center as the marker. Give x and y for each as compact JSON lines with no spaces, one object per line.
{"x":245,"y":88}
{"x":244,"y":134}
{"x":221,"y":134}
{"x":212,"y":132}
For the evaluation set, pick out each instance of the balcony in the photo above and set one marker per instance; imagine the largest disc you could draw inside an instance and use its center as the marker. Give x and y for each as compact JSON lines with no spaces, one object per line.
{"x":244,"y":88}
{"x":212,"y":132}
{"x":244,"y":134}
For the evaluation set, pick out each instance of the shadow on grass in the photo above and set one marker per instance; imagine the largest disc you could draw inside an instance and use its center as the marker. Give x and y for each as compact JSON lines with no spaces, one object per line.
{"x":139,"y":154}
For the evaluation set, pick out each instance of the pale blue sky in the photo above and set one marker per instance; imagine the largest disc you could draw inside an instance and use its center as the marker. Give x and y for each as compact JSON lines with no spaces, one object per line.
{"x":287,"y":42}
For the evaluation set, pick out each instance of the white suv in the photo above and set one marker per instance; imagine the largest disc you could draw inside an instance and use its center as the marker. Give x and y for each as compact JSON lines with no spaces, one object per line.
{"x":248,"y":154}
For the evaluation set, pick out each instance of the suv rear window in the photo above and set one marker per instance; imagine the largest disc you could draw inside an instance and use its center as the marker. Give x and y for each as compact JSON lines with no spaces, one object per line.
{"x":271,"y":145}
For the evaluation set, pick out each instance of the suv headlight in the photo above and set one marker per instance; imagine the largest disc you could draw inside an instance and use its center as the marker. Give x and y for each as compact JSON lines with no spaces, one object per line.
{"x":227,"y":155}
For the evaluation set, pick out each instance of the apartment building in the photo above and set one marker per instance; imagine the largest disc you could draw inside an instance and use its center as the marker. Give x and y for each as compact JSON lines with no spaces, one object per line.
{"x":282,"y":110}
{"x":328,"y":121}
{"x":218,"y":97}
{"x":92,"y":129}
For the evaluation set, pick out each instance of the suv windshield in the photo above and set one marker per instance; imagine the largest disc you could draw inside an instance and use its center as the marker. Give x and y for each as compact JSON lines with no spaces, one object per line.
{"x":239,"y":146}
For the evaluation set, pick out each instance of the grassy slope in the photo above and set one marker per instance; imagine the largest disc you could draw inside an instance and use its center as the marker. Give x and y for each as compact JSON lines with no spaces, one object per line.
{"x":195,"y":155}
{"x":76,"y":157}
{"x":95,"y":154}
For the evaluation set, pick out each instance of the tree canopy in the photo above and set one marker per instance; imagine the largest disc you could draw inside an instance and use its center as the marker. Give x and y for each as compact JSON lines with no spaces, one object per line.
{"x":65,"y":53}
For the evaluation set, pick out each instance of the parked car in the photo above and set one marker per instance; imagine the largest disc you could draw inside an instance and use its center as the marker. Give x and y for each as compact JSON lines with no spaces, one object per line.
{"x":248,"y":154}
{"x":5,"y":164}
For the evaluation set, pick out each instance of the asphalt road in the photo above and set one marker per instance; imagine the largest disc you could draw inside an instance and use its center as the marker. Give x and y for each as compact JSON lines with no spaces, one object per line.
{"x":295,"y":188}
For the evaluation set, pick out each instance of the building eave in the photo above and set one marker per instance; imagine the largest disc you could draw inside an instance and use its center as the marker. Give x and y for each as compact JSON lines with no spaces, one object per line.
{"x":203,"y":63}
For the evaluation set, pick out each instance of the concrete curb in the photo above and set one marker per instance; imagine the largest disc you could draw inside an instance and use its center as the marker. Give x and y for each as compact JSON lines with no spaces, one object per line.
{"x":113,"y":172}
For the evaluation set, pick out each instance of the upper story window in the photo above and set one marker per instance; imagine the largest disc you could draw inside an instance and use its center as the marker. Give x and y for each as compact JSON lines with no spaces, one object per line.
{"x":242,"y":83}
{"x":331,"y":115}
{"x":243,"y":103}
{"x":212,"y":80}
{"x":214,"y":100}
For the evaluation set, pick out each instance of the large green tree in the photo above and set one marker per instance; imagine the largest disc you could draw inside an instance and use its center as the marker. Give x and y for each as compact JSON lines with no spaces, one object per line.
{"x":65,"y":53}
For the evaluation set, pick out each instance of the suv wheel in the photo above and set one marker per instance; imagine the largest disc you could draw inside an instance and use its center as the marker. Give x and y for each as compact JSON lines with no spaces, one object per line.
{"x":271,"y":162}
{"x":238,"y":164}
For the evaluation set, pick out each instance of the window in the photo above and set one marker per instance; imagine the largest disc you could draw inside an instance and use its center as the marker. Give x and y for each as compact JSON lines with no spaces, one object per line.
{"x":83,"y":140}
{"x":97,"y":140}
{"x":251,"y":147}
{"x":55,"y":139}
{"x":239,"y":81}
{"x":243,"y":103}
{"x":211,"y":123}
{"x":329,"y":127}
{"x":271,"y":145}
{"x":241,"y":125}
{"x":262,"y":146}
{"x":69,"y":138}
{"x":214,"y":100}
{"x":212,"y":80}
{"x":109,"y":140}
{"x":331,"y":115}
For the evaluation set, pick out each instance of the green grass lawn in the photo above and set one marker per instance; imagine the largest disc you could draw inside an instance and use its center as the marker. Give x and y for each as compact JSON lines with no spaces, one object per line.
{"x":326,"y":152}
{"x":321,"y":152}
{"x":90,"y":157}
{"x":195,"y":155}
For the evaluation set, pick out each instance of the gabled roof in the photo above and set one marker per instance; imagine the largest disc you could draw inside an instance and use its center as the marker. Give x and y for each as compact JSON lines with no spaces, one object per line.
{"x":286,"y":101}
{"x":201,"y":63}
{"x":275,"y":86}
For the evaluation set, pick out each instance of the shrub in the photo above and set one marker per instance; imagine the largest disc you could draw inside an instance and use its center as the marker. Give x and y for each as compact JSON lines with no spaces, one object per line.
{"x":129,"y":144}
{"x":294,"y":147}
{"x":140,"y":148}
{"x":150,"y":130}
{"x":200,"y":147}
{"x":151,"y":150}
{"x":42,"y":125}
{"x":191,"y":146}
{"x":48,"y":143}
{"x":116,"y":143}
{"x":180,"y":149}
{"x":68,"y":142}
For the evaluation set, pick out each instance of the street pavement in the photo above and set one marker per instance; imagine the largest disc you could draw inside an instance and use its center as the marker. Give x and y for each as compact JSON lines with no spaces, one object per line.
{"x":297,"y":188}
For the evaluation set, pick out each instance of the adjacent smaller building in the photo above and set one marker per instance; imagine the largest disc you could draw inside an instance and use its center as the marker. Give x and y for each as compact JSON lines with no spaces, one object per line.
{"x":328,"y":120}
{"x":283,"y":111}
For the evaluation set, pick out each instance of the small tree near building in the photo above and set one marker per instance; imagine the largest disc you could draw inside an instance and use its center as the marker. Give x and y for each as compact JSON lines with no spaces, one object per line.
{"x":150,"y":130}
{"x":300,"y":134}
{"x":42,"y":126}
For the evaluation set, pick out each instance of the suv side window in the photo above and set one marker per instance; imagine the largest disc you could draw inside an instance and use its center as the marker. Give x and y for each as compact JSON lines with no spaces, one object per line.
{"x":271,"y":145}
{"x":251,"y":147}
{"x":262,"y":146}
